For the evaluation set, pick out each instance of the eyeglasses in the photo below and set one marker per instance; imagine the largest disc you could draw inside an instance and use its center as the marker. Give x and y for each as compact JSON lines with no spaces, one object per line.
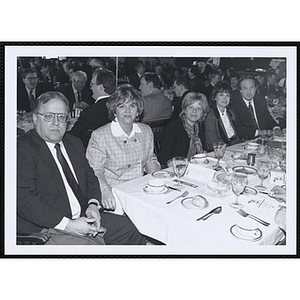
{"x":49,"y":117}
{"x":31,"y":78}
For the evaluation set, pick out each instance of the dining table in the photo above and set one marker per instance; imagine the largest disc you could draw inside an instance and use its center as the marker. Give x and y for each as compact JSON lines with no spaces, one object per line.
{"x":176,"y":224}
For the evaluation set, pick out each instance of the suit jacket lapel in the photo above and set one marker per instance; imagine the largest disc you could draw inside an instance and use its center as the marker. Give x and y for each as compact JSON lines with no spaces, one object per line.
{"x":47,"y":156}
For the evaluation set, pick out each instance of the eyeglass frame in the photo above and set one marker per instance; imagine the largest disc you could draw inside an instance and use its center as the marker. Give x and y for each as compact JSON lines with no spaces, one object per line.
{"x":54,"y":114}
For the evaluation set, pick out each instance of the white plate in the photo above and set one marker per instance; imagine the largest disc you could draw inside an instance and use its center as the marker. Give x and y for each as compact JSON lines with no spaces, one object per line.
{"x":252,"y":235}
{"x":162,"y":174}
{"x":244,"y":170}
{"x":187,"y":203}
{"x":147,"y":191}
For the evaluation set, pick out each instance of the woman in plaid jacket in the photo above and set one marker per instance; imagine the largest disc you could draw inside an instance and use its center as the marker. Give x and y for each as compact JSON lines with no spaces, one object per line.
{"x":123,"y":149}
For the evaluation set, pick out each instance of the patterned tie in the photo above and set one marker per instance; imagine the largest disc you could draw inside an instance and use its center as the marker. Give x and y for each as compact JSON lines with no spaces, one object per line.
{"x":69,"y":175}
{"x":31,"y":100}
{"x":252,"y":115}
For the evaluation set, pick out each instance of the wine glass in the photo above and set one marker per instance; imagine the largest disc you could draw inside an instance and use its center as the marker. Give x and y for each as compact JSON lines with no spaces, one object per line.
{"x":179,"y":167}
{"x":263,"y":169}
{"x":239,"y":181}
{"x":219,"y":149}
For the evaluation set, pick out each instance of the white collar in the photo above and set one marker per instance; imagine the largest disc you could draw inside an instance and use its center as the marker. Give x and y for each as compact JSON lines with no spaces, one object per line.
{"x":28,"y":91}
{"x":101,"y":97}
{"x":247,"y":102}
{"x":117,"y":130}
{"x":222,"y":113}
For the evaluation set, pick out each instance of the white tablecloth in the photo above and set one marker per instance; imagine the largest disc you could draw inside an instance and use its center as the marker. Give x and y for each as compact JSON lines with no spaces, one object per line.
{"x":176,"y":226}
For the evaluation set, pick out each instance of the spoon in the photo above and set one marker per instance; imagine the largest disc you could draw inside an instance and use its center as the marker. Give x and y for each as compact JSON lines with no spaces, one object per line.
{"x":216,"y":210}
{"x":182,"y":195}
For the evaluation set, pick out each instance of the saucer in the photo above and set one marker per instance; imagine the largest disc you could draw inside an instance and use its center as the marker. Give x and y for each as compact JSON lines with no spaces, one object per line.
{"x":162,"y":174}
{"x":252,"y":235}
{"x":147,"y":190}
{"x":187,"y":203}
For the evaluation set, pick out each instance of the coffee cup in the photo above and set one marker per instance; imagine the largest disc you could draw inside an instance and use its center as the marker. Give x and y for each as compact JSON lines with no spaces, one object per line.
{"x":200,"y":157}
{"x":156,"y":185}
{"x":253,"y":146}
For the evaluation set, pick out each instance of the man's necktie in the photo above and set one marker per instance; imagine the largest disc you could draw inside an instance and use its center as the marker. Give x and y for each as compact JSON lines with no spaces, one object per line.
{"x":78,"y":97}
{"x":252,"y":115}
{"x":31,"y":100}
{"x":69,"y":175}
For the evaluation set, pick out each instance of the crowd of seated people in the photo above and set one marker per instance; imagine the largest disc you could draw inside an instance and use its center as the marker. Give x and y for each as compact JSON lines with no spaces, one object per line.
{"x":116,"y":140}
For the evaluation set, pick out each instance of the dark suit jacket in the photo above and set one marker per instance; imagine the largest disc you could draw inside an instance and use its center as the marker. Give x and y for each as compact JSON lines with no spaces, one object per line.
{"x":244,"y":125}
{"x":134,"y":80}
{"x":42,"y":200}
{"x":214,"y":128}
{"x":177,"y":106}
{"x":23,"y":98}
{"x":67,"y":90}
{"x":176,"y":142}
{"x":90,"y":119}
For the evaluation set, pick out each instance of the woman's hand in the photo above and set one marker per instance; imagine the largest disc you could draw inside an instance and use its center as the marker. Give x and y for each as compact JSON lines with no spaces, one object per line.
{"x":108,"y":200}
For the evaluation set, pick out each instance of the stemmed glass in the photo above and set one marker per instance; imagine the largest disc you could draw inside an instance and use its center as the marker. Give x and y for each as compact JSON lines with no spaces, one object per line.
{"x":219,"y":149}
{"x":179,"y":167}
{"x":239,"y":181}
{"x":263,"y":169}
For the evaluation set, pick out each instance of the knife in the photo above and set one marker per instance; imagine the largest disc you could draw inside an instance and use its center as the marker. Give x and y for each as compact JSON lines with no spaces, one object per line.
{"x":186,"y":183}
{"x":172,"y":188}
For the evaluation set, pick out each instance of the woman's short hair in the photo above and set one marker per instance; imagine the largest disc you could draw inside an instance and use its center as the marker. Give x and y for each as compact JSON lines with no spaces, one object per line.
{"x":190,"y":99}
{"x":46,"y":97}
{"x":220,"y":87}
{"x":124,"y":93}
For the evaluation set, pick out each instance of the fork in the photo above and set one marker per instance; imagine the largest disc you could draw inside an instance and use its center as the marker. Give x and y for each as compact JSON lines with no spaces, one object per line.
{"x":182,"y":195}
{"x":244,"y":214}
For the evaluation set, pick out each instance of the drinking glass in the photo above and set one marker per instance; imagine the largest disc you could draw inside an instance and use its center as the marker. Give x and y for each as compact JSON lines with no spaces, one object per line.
{"x":239,"y":181}
{"x":219,"y":149}
{"x":179,"y":167}
{"x":263,"y":169}
{"x":276,"y":153}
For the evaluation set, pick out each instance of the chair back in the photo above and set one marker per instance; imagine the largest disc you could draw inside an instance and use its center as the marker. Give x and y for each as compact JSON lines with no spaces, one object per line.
{"x":157,"y":129}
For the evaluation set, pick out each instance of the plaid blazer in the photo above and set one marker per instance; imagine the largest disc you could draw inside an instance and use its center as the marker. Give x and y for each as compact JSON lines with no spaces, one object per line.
{"x":117,"y":159}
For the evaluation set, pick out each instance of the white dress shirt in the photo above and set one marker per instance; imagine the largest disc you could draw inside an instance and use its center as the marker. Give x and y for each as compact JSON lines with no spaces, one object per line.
{"x":254,"y":110}
{"x":226,"y":122}
{"x":74,"y":204}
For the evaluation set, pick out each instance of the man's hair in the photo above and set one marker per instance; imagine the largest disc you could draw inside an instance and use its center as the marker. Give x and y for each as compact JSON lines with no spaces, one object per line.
{"x":246,"y":76}
{"x":46,"y":97}
{"x":138,"y":65}
{"x":107,"y":79}
{"x":234,"y":75}
{"x":183,"y":80}
{"x":79,"y":75}
{"x":194,"y":70}
{"x":28,"y":71}
{"x":152,"y":77}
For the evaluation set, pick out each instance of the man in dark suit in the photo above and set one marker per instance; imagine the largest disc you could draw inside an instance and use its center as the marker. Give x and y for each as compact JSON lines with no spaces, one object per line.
{"x":252,"y":115}
{"x":58,"y":192}
{"x":181,"y":89}
{"x":134,"y":79}
{"x":214,"y":77}
{"x":103,"y":84}
{"x":78,"y":94}
{"x":29,"y":90}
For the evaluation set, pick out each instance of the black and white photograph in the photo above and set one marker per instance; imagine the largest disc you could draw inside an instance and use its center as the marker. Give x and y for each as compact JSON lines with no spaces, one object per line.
{"x":160,"y":150}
